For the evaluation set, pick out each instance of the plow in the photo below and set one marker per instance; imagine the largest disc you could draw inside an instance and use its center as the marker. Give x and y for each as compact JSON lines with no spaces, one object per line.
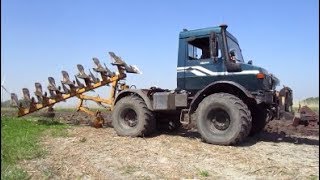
{"x":76,"y":88}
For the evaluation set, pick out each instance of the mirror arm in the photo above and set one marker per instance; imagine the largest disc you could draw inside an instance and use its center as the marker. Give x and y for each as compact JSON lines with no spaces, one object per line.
{"x":213,"y":46}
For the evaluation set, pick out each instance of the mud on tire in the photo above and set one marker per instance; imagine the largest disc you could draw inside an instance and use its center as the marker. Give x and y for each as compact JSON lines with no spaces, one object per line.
{"x":131,"y":117}
{"x":223,"y":119}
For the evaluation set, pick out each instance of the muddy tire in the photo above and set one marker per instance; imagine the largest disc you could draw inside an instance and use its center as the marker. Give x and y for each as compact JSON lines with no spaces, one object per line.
{"x":131,"y":117}
{"x":223,"y":119}
{"x":259,"y":119}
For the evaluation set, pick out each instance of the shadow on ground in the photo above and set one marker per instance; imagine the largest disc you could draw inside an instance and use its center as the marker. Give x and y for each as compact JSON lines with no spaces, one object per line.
{"x":262,"y":136}
{"x":280,"y":137}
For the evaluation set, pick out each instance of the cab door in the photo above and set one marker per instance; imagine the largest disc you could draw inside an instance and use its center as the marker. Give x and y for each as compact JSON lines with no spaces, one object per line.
{"x":200,"y":67}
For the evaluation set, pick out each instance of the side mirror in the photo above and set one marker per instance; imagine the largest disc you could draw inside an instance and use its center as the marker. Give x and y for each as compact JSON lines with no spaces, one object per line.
{"x":213,"y":45}
{"x":231,"y":65}
{"x":250,"y":62}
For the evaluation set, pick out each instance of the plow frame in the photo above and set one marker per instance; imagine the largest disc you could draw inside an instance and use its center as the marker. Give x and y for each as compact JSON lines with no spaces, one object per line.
{"x":108,"y":78}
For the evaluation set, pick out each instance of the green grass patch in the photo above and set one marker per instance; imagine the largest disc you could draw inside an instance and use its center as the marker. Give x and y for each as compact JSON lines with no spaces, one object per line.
{"x":129,"y":169}
{"x":204,"y":173}
{"x":313,"y":177}
{"x":20,"y":140}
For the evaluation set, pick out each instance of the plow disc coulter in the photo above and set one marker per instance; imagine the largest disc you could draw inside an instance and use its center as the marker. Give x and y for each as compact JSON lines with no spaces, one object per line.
{"x":76,"y":88}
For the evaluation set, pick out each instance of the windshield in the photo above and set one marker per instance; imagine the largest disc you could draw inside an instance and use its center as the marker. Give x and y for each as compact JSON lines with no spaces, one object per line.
{"x":234,"y":47}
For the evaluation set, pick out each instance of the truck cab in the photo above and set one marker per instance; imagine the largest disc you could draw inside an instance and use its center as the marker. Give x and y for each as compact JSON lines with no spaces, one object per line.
{"x":213,"y":54}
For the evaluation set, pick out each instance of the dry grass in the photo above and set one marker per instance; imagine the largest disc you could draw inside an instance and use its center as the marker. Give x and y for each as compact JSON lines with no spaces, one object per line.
{"x":104,"y":155}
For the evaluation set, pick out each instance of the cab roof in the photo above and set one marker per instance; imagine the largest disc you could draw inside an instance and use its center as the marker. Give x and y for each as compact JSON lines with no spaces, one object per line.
{"x":203,"y":32}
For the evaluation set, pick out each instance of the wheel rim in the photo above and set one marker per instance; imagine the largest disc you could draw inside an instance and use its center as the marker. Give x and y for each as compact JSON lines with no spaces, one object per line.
{"x":218,"y":119}
{"x":128,"y":117}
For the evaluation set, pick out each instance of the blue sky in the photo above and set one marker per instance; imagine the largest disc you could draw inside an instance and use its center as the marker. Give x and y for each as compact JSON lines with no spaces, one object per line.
{"x":41,"y":38}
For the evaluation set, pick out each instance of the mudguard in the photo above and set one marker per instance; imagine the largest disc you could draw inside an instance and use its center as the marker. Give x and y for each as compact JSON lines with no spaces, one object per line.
{"x":139,"y":92}
{"x":214,"y":87}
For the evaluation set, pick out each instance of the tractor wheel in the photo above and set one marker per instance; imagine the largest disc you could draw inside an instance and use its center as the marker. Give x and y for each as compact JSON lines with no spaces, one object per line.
{"x":223,"y":119}
{"x":259,"y":119}
{"x":131,"y":117}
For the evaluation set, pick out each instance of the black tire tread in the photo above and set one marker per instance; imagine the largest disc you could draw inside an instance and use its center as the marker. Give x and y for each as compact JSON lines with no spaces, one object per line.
{"x":147,"y":117}
{"x":244,"y":112}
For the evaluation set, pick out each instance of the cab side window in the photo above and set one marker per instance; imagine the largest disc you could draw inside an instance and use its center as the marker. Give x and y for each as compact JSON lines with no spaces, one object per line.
{"x":199,"y":49}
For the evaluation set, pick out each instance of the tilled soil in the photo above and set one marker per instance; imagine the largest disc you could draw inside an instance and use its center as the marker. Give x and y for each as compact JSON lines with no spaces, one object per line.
{"x":286,"y":127}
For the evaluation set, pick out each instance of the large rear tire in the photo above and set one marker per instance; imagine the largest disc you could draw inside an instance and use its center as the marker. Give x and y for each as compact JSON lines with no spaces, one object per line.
{"x":223,"y":119}
{"x":131,"y":117}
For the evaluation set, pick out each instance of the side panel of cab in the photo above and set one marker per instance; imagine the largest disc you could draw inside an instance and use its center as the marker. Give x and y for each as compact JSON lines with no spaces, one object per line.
{"x":181,"y":63}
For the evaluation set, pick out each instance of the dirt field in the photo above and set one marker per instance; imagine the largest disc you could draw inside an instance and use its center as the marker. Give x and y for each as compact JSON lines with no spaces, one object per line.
{"x":90,"y":153}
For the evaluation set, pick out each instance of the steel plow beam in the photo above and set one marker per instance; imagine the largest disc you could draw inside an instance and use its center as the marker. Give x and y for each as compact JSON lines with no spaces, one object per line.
{"x":75,"y":88}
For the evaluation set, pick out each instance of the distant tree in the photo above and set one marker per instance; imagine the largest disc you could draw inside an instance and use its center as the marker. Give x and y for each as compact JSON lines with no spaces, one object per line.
{"x":311,"y":100}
